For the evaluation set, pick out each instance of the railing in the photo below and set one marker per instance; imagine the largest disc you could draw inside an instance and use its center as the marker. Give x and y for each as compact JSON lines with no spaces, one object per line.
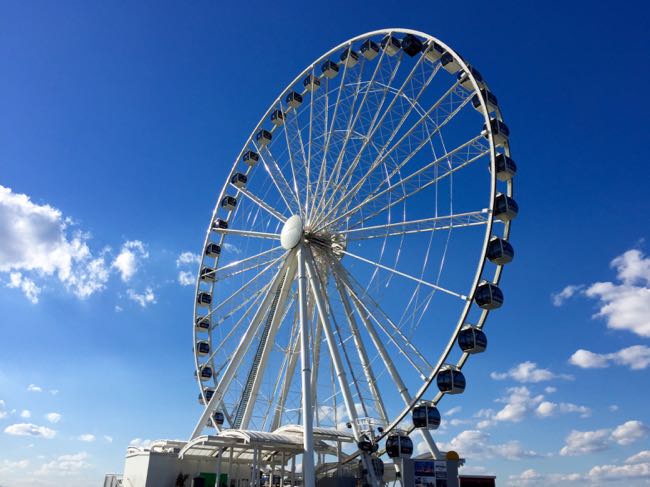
{"x":113,"y":480}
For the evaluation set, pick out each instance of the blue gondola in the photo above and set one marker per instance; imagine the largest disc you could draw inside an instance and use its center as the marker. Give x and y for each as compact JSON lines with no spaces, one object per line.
{"x":472,"y":340}
{"x":426,"y":415}
{"x":450,"y":380}
{"x":238,"y":179}
{"x":294,"y":99}
{"x":411,"y":45}
{"x":207,"y":274}
{"x":202,"y":323}
{"x":202,"y":347}
{"x":369,"y":49}
{"x":488,"y":296}
{"x":505,"y":208}
{"x":330,"y":69}
{"x":263,"y":138}
{"x":500,"y":132}
{"x":228,"y":203}
{"x":311,"y":82}
{"x":250,"y":158}
{"x":499,"y":251}
{"x":450,"y":63}
{"x":390,"y":44}
{"x":466,"y":82}
{"x":349,"y":57}
{"x":505,"y":167}
{"x":399,"y":445}
{"x":432,"y":51}
{"x":212,"y":250}
{"x":277,"y":118}
{"x":205,"y":372}
{"x":491,"y":102}
{"x":204,"y":299}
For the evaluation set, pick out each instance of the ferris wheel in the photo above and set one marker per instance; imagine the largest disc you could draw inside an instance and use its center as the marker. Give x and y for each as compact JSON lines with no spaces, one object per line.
{"x":359,"y":236}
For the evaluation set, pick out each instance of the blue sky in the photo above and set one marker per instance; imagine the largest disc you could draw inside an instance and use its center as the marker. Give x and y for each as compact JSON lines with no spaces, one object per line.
{"x":118,"y":124}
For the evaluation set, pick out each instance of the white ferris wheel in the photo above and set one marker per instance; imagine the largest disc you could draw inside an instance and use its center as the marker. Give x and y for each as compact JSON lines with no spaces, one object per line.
{"x":355,"y":249}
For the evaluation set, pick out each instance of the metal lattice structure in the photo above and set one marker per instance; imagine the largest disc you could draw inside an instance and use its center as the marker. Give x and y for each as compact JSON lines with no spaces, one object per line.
{"x":361,"y":232}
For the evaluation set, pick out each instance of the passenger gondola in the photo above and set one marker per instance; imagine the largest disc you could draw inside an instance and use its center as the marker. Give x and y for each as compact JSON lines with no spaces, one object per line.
{"x":411,"y":45}
{"x":277,"y":118}
{"x":212,"y":250}
{"x":426,"y":415}
{"x":499,"y":251}
{"x":263,"y":138}
{"x":399,"y":445}
{"x":330,"y":69}
{"x":500,"y":132}
{"x":205,"y":372}
{"x":238,"y":179}
{"x":204,"y":299}
{"x":228,"y":203}
{"x":505,"y":167}
{"x":202,"y":323}
{"x":202,"y":347}
{"x":250,"y":158}
{"x":432,"y":51}
{"x":390,"y":44}
{"x":311,"y":82}
{"x":491,"y":102}
{"x":294,"y":99}
{"x":207,"y":274}
{"x":466,"y":82}
{"x":488,"y":296}
{"x":449,"y":63}
{"x":450,"y":380}
{"x":505,"y":208}
{"x":369,"y":50}
{"x":349,"y":57}
{"x":472,"y":340}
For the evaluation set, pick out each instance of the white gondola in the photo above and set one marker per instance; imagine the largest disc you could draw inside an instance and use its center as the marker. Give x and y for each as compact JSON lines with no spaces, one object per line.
{"x":411,"y":45}
{"x":238,"y":179}
{"x":250,"y":158}
{"x":208,"y":274}
{"x":426,"y":415}
{"x":505,"y":208}
{"x":263,"y":138}
{"x":228,"y":203}
{"x":450,"y":380}
{"x":491,"y":102}
{"x":349,"y":58}
{"x":330,"y":69}
{"x":369,"y":50}
{"x":450,"y":63}
{"x":488,"y":296}
{"x":505,"y":167}
{"x":399,"y":445}
{"x":311,"y":82}
{"x":500,"y":131}
{"x":202,"y":347}
{"x":466,"y":82}
{"x":219,"y":224}
{"x":390,"y":44}
{"x":433,"y":51}
{"x":209,"y":392}
{"x":204,"y":299}
{"x":472,"y":340}
{"x":202,"y":323}
{"x":277,"y":118}
{"x":294,"y":99}
{"x":499,"y":251}
{"x":205,"y":372}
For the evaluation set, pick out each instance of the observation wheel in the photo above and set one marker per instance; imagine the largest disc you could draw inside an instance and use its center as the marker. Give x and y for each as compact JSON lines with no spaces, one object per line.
{"x":359,"y":236}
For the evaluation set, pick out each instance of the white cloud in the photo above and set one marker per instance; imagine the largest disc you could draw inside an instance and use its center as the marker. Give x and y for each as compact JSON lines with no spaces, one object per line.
{"x":613,"y":408}
{"x":568,"y":292}
{"x":10,"y":466}
{"x":626,"y":304}
{"x":25,"y":414}
{"x":27,"y":286}
{"x":65,"y":465}
{"x":630,"y":432}
{"x":231,"y":248}
{"x":187,"y":258}
{"x":29,"y":429}
{"x":532,"y":477}
{"x":185,"y":278}
{"x":636,"y":357}
{"x":143,"y":299}
{"x":53,"y":417}
{"x":139,"y":442}
{"x":3,"y":412}
{"x":108,"y":439}
{"x":550,"y":389}
{"x":582,"y":442}
{"x":454,"y":410}
{"x":38,"y":239}
{"x":641,"y":457}
{"x":54,"y":392}
{"x":476,"y":444}
{"x":87,"y":437}
{"x":128,"y":260}
{"x":548,"y":408}
{"x":34,"y":388}
{"x":527,"y":372}
{"x":610,"y":473}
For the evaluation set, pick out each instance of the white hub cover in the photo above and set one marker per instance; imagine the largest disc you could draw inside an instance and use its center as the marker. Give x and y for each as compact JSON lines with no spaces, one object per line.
{"x":291,"y":232}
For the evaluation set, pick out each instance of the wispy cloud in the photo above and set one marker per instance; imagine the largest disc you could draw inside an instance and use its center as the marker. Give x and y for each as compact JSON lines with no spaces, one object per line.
{"x":29,"y":429}
{"x":528,"y":372}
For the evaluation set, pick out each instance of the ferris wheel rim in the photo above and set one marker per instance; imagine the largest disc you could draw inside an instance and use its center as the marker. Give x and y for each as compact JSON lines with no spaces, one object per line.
{"x":489,"y":226}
